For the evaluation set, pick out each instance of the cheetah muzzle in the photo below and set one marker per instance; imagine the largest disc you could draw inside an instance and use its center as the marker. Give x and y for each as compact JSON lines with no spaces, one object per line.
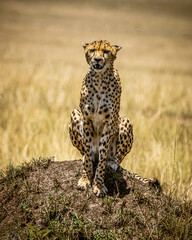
{"x":97,"y":67}
{"x":96,"y":129}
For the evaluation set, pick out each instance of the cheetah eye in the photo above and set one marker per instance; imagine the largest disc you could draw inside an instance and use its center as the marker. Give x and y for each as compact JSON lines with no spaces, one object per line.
{"x":106,"y":51}
{"x":92,"y":50}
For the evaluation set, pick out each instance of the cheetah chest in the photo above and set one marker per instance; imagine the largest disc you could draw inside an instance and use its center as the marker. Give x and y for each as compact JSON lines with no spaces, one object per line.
{"x":100,"y":112}
{"x":98,"y":117}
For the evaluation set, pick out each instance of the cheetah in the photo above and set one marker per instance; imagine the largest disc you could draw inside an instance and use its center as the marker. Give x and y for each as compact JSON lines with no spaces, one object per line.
{"x":96,"y":129}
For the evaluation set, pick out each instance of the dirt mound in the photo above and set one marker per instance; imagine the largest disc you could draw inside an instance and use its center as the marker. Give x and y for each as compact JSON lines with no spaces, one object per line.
{"x":40,"y":200}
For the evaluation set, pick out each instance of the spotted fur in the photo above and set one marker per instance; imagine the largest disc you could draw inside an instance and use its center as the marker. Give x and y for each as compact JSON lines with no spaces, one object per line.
{"x":96,"y":129}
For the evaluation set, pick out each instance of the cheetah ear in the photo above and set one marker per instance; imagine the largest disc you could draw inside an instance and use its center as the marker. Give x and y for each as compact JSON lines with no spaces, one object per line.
{"x":117,"y":47}
{"x":84,"y":45}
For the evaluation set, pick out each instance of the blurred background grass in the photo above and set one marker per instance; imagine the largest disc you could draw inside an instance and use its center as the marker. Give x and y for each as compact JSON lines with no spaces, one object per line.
{"x":42,"y":65}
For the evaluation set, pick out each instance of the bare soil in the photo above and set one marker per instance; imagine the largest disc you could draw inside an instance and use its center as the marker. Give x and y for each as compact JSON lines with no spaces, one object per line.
{"x":43,"y":196}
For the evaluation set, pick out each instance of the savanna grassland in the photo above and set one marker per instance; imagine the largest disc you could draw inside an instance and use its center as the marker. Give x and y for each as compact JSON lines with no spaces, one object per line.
{"x":42,"y":65}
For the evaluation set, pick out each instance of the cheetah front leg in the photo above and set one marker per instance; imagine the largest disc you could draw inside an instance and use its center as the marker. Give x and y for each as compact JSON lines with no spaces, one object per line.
{"x":98,"y":186}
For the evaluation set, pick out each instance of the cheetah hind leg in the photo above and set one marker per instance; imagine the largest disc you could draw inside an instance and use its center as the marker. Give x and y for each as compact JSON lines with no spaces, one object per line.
{"x":121,"y":144}
{"x":76,"y":130}
{"x":76,"y":136}
{"x":113,"y":164}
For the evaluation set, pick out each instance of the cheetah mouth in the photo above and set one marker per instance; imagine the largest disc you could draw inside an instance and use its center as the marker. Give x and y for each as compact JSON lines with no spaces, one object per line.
{"x":98,"y":67}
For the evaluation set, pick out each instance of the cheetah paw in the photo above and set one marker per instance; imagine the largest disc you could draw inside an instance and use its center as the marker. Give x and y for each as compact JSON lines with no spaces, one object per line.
{"x":100,"y":191}
{"x":83,"y":183}
{"x":113,"y":165}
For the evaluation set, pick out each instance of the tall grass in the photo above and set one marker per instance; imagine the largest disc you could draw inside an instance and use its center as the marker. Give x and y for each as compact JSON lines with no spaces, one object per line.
{"x":42,"y":66}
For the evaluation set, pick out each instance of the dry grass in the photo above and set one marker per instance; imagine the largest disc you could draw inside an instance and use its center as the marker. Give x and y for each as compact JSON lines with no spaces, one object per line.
{"x":42,"y":65}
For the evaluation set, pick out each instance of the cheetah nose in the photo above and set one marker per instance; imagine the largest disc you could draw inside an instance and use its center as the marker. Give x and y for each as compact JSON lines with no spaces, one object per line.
{"x":97,"y":59}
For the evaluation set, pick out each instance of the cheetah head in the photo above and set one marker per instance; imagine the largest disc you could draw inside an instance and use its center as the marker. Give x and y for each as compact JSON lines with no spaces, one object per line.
{"x":100,"y":54}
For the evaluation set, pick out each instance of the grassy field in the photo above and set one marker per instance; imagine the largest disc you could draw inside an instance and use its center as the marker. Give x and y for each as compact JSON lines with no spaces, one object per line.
{"x":42,"y":65}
